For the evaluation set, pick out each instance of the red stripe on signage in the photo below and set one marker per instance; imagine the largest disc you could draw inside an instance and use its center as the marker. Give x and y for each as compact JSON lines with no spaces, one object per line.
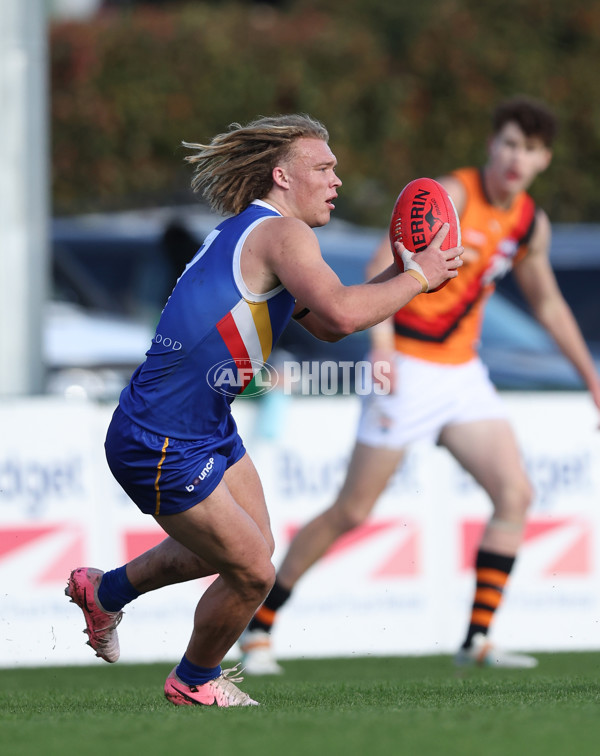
{"x":349,"y":540}
{"x":404,"y":561}
{"x":573,"y":558}
{"x":136,"y":542}
{"x":576,"y":559}
{"x":14,"y":538}
{"x":73,"y":553}
{"x":237,"y":349}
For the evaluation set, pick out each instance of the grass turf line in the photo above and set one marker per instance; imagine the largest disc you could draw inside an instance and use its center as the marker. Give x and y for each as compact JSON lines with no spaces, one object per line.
{"x":368,"y":706}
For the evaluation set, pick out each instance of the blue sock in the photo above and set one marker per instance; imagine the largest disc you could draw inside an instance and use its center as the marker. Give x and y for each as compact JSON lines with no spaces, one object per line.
{"x":115,"y":590}
{"x":191,"y":674}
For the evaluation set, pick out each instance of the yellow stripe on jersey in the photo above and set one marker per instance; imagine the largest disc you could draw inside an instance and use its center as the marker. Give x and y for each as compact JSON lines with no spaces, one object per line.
{"x":262,"y":321}
{"x":253,"y":326}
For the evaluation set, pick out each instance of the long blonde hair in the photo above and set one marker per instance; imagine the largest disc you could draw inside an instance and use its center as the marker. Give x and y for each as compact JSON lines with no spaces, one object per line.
{"x":236,"y":167}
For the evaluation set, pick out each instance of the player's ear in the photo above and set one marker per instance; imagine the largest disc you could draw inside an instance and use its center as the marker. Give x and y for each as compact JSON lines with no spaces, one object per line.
{"x":545,"y":158}
{"x":280,"y":176}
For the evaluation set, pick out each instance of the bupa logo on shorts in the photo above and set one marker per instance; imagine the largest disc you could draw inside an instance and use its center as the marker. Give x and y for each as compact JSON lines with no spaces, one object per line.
{"x":204,"y":473}
{"x":231,"y":377}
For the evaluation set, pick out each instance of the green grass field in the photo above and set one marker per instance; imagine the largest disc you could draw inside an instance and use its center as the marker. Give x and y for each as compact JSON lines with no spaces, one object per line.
{"x":367,"y":706}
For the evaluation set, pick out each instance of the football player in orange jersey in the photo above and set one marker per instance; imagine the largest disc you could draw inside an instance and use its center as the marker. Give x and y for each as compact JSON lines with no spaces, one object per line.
{"x":440,"y":388}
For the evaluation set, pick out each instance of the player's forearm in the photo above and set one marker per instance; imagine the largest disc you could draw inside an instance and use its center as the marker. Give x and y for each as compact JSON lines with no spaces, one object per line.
{"x":356,"y":308}
{"x":384,"y":275}
{"x":381,"y":335}
{"x":364,"y":305}
{"x":562,"y":326}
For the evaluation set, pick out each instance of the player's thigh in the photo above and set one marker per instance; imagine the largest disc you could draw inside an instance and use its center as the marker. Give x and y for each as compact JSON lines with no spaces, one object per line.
{"x":489,"y":451}
{"x":245,"y":486}
{"x":367,"y":476}
{"x":221,"y":532}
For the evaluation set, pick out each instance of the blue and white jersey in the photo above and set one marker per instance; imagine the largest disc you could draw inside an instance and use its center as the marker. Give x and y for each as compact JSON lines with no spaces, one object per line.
{"x":211,"y":326}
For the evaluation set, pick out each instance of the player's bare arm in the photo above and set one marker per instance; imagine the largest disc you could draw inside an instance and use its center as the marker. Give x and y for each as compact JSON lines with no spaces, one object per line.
{"x":292,"y":254}
{"x":456,"y":190}
{"x":380,"y":259}
{"x":538,"y":283}
{"x":289,"y":249}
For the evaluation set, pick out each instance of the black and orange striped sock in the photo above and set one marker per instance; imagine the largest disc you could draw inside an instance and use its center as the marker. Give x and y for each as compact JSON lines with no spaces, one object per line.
{"x":491,"y":571}
{"x":264,"y":617}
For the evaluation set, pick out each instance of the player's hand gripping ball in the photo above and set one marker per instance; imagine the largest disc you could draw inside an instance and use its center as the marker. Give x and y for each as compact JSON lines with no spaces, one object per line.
{"x":421,"y":209}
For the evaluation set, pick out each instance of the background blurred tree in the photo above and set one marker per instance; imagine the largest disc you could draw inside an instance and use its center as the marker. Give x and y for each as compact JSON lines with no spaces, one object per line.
{"x":405,"y":90}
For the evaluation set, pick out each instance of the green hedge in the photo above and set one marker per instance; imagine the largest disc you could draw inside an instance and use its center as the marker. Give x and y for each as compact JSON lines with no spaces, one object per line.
{"x":405,"y":90}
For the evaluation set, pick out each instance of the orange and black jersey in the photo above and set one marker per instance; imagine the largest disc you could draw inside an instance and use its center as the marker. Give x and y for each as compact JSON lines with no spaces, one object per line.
{"x":445,"y":326}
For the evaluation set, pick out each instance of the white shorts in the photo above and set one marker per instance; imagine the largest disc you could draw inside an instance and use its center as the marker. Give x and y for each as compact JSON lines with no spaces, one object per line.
{"x":427,"y":397}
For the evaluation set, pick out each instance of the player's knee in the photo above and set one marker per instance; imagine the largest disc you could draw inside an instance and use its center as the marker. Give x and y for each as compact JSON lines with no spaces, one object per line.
{"x":346,"y":518}
{"x":270,"y":544}
{"x":524,"y":497}
{"x":515,"y":500}
{"x":265,"y":582}
{"x":257,"y":581}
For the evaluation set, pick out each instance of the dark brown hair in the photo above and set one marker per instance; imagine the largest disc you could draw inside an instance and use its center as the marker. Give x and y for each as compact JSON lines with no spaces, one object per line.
{"x":534,"y":118}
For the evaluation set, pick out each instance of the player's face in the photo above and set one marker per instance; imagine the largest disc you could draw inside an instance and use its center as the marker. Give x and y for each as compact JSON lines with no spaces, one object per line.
{"x":515,"y":159}
{"x":312,"y":181}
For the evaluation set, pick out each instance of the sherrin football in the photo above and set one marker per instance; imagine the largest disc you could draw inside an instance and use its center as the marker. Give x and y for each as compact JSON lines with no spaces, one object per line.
{"x":421,"y":209}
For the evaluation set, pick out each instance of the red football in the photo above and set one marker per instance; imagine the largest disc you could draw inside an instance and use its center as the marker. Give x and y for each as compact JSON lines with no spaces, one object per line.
{"x":422,"y":207}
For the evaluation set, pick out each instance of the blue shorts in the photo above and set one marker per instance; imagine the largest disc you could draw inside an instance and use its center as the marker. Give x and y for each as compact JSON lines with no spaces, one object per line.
{"x":165,"y":475}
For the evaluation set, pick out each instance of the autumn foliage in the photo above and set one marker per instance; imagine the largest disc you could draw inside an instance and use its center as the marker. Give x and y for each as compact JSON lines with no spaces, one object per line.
{"x":405,"y":91}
